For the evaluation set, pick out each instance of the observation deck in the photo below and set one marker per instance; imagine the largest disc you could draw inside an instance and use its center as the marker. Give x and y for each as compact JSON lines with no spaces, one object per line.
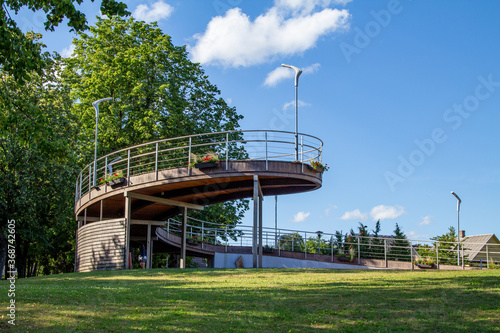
{"x":158,"y":182}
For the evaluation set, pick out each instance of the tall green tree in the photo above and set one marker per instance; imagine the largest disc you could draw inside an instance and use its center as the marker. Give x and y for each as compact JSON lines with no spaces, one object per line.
{"x":399,"y":248}
{"x":157,"y":92}
{"x":19,"y":54}
{"x":37,"y":166}
{"x":377,"y":244}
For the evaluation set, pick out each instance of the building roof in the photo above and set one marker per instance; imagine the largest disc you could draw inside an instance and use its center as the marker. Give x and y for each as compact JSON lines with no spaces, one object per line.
{"x":473,"y":245}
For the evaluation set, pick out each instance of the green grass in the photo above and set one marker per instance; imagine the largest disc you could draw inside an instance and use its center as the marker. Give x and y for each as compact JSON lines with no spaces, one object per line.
{"x":265,"y":300}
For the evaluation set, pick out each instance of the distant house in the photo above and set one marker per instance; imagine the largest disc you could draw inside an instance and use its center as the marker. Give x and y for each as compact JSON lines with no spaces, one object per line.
{"x":482,"y":247}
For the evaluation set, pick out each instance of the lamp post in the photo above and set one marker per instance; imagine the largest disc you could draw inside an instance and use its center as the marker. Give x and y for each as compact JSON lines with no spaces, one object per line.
{"x":96,"y":107}
{"x":298,"y":71}
{"x":459,"y":201}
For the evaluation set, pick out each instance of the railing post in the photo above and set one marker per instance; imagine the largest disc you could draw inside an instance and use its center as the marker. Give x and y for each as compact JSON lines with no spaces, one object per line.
{"x":225,"y":235}
{"x":487,"y":257}
{"x":128,"y":167}
{"x":267,"y":166}
{"x":463,"y":263}
{"x":81,"y":180}
{"x":302,"y":152}
{"x":156,"y":164}
{"x":189,"y":152}
{"x":227,"y":150}
{"x":90,"y":179}
{"x":359,"y":251}
{"x":411,"y":255}
{"x":331,"y":243}
{"x":105,"y":174}
{"x":305,"y":245}
{"x":385,"y":253}
{"x":437,"y":255}
{"x":202,"y":233}
{"x":278,"y":245}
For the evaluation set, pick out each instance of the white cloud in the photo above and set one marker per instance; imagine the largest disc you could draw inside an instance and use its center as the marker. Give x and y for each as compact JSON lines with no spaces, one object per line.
{"x":68,"y":51}
{"x":354,"y":215}
{"x":300,"y":217}
{"x":281,"y":73}
{"x":288,"y":105}
{"x":289,"y":27}
{"x":158,"y":11}
{"x":383,"y":212}
{"x":426,"y":220}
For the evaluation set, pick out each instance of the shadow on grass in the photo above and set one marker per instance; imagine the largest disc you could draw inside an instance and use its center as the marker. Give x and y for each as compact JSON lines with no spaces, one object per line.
{"x":268,"y":300}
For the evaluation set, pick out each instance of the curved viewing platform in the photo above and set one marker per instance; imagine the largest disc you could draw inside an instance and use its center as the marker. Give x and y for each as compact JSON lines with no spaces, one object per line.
{"x":122,"y":197}
{"x":162,"y":169}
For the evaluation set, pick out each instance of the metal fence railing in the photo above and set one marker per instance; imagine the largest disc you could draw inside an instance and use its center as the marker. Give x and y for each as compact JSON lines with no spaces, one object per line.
{"x":350,"y":247}
{"x":177,"y":152}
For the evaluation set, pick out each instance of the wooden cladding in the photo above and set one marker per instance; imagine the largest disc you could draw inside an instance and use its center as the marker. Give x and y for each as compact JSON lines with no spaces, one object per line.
{"x":101,"y":246}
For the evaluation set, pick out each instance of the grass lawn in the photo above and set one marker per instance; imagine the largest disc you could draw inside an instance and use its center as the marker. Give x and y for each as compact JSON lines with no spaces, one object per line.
{"x":265,"y":300}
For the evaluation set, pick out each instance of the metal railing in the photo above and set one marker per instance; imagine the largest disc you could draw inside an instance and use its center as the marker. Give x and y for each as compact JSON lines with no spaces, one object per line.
{"x":176,"y":152}
{"x":353,"y":247}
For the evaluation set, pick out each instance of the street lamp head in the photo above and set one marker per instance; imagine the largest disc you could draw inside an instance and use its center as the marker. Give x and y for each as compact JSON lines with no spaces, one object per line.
{"x":297,"y":70}
{"x":456,"y":196}
{"x":96,"y":104}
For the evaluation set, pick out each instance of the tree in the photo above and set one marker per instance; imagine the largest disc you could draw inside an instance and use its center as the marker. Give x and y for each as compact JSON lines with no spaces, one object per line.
{"x":37,"y":168}
{"x":446,"y":245}
{"x":377,"y":244}
{"x":19,"y":53}
{"x":364,"y":241}
{"x":292,"y":242}
{"x":158,"y":93}
{"x":400,"y":247}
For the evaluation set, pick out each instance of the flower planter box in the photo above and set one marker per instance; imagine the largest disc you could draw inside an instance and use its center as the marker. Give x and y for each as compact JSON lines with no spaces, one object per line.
{"x":206,"y":165}
{"x":425,"y":266}
{"x":267,"y":250}
{"x":192,"y":242}
{"x":116,"y":182}
{"x":318,"y":169}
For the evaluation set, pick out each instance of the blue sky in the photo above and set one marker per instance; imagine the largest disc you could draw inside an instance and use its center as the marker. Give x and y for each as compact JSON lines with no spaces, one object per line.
{"x":404,"y":94}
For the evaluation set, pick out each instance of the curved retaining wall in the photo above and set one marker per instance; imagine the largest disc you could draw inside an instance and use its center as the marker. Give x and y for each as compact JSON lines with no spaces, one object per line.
{"x":101,"y":246}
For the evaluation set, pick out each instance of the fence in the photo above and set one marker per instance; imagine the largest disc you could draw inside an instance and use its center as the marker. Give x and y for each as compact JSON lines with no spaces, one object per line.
{"x":351,"y":247}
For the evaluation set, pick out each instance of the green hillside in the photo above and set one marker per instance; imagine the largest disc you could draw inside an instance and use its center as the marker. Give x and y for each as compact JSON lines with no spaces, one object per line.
{"x":266,"y":300}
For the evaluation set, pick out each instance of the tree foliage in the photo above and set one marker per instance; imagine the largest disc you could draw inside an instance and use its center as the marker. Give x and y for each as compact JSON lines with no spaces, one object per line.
{"x":37,"y":167}
{"x":158,"y":92}
{"x":446,"y":244}
{"x":19,"y":53}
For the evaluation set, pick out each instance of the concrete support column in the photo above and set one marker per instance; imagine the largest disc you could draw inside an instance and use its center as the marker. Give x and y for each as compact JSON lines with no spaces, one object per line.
{"x":182,"y":260}
{"x":148,"y":247}
{"x":260,"y":232}
{"x":257,"y":223}
{"x":128,"y":210}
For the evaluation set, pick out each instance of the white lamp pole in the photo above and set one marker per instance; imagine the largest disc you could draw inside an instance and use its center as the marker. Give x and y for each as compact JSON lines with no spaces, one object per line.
{"x":459,"y":201}
{"x":96,"y":107}
{"x":298,"y":71}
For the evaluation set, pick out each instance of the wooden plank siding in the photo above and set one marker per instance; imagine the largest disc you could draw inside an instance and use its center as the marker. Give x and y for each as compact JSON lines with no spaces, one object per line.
{"x":101,"y":246}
